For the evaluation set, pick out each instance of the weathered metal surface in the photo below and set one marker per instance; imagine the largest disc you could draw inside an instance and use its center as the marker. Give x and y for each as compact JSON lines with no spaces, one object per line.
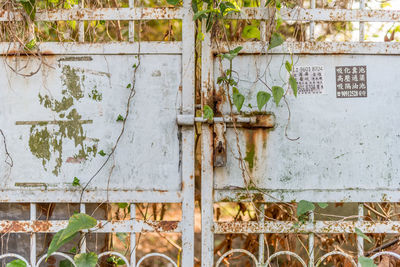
{"x":128,"y":226}
{"x":219,"y":145}
{"x":319,"y":14}
{"x":309,"y":47}
{"x":341,"y":149}
{"x":59,"y":116}
{"x":251,"y":121}
{"x":341,"y":145}
{"x":70,"y":195}
{"x":280,"y":195}
{"x":58,"y":120}
{"x":322,"y":227}
{"x":83,"y":49}
{"x":82,"y":14}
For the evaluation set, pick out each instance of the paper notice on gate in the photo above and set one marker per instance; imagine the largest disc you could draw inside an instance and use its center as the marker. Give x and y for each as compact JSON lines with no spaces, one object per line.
{"x":310,"y":80}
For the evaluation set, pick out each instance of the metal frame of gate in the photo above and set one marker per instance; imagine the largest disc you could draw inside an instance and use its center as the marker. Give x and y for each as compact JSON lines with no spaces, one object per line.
{"x":211,"y":195}
{"x":185,"y":196}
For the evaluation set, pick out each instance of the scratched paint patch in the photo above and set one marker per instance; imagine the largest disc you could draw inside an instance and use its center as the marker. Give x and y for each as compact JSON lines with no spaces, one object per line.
{"x":46,"y":138}
{"x":351,"y":81}
{"x":310,"y":80}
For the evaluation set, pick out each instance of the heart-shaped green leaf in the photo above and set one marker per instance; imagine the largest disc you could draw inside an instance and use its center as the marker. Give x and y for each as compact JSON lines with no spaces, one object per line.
{"x":238,"y":99}
{"x":76,"y":223}
{"x":16,"y":263}
{"x":304,"y":206}
{"x":251,"y":31}
{"x":288,"y":66}
{"x":208,"y":113}
{"x":276,"y":40}
{"x":86,"y":259}
{"x":277,"y":92}
{"x":366,"y":262}
{"x":262,"y":99}
{"x":293,"y":84}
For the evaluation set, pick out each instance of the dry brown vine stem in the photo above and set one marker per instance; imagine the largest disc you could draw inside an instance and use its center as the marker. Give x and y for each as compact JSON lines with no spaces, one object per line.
{"x":375,"y":211}
{"x":132,"y":93}
{"x":9,"y":161}
{"x":242,"y":165}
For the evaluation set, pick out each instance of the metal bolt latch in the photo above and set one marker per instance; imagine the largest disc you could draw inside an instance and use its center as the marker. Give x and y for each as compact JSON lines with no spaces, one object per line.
{"x":221,"y":123}
{"x":219,"y":144}
{"x":253,"y":121}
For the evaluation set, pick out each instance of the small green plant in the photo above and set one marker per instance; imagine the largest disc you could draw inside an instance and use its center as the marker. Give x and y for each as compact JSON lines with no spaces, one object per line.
{"x":120,"y":118}
{"x":115,"y":260}
{"x":208,"y":113}
{"x":76,"y":223}
{"x":366,"y":262}
{"x":16,"y":263}
{"x":361,"y":234}
{"x":76,"y":182}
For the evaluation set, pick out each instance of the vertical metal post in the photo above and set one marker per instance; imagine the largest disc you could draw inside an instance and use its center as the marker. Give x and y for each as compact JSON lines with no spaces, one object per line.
{"x":33,"y":235}
{"x":263,"y":25}
{"x":312,"y":24}
{"x":360,"y":240}
{"x":131,"y":24}
{"x":81,"y":24}
{"x":133,"y":236}
{"x":207,"y":148}
{"x":261,"y":236}
{"x":187,"y":108}
{"x":311,"y":242}
{"x":362,"y":24}
{"x":83,"y":242}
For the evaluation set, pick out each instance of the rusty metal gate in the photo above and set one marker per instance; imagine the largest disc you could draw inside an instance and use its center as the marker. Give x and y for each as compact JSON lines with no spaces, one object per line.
{"x":62,"y":114}
{"x":340,"y":144}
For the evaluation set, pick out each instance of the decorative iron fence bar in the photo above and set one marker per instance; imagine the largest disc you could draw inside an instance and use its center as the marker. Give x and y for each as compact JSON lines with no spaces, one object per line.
{"x":320,"y":14}
{"x":82,"y":14}
{"x":322,"y":227}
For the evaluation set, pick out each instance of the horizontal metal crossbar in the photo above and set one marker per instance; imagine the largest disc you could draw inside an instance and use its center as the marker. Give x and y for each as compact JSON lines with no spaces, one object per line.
{"x":127,"y":226}
{"x":323,"y":227}
{"x":123,"y":48}
{"x":263,"y":121}
{"x":112,"y":48}
{"x":82,"y":14}
{"x":319,"y":14}
{"x":324,"y":48}
{"x":296,"y":14}
{"x":313,"y":195}
{"x":97,"y":196}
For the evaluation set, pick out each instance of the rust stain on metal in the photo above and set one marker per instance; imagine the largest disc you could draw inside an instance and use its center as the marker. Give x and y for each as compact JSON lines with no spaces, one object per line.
{"x":219,"y":101}
{"x":219,"y":145}
{"x":41,"y":226}
{"x":164,"y":226}
{"x":256,"y":143}
{"x":25,"y":226}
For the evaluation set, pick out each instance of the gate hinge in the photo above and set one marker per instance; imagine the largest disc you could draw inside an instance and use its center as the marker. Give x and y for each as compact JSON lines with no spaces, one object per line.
{"x":253,"y":121}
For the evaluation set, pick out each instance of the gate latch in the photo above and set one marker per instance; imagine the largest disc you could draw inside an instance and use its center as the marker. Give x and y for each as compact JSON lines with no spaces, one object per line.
{"x":221,"y":123}
{"x":219,"y":144}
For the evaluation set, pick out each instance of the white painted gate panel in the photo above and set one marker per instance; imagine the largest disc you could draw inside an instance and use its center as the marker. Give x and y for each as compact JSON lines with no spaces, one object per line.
{"x":342,"y":149}
{"x":345,"y":148}
{"x":58,"y":120}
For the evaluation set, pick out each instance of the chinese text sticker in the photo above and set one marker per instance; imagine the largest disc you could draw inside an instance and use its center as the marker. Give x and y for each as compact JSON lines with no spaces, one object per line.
{"x":310,"y":79}
{"x":351,"y":81}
